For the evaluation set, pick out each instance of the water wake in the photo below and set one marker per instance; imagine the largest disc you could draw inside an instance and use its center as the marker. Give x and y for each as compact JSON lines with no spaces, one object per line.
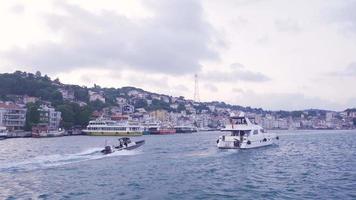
{"x":48,"y":161}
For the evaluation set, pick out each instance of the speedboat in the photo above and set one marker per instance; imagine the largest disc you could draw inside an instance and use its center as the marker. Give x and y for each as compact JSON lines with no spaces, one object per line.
{"x":124,"y":144}
{"x":244,"y":135}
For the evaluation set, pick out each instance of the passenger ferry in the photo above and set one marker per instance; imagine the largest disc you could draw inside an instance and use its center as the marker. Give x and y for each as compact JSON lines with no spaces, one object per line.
{"x":244,"y":135}
{"x":113,"y":128}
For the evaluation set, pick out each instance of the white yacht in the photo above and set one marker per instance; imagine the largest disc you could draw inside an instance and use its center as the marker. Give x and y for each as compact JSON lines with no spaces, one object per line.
{"x":112,"y":128}
{"x":244,"y":135}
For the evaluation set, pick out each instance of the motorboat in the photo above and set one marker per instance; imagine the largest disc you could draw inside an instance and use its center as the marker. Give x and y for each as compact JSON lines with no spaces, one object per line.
{"x":244,"y":135}
{"x":125,"y":143}
{"x":48,"y":133}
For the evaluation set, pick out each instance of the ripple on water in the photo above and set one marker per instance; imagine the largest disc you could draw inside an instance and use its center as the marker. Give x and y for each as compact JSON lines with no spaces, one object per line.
{"x":304,"y":165}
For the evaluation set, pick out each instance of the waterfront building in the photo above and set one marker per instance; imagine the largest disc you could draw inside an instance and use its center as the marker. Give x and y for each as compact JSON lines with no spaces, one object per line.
{"x":329,"y":116}
{"x":12,"y":116}
{"x":50,"y":117}
{"x":160,"y":115}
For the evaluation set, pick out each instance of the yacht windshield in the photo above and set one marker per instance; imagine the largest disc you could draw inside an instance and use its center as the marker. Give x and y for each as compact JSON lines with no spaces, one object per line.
{"x":242,"y":133}
{"x":241,"y":120}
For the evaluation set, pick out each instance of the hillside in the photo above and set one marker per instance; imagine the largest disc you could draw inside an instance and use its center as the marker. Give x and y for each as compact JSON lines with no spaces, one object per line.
{"x":77,"y":107}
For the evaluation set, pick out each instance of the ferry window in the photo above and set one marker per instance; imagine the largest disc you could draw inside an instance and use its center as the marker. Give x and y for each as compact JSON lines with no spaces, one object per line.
{"x":255,"y":132}
{"x":248,"y":133}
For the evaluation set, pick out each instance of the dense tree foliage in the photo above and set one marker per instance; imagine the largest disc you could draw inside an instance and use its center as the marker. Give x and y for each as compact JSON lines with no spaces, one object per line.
{"x":159,"y":104}
{"x":32,"y":116}
{"x":140,"y":103}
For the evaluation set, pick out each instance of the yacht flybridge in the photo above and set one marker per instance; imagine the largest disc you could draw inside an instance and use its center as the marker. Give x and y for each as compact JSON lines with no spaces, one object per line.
{"x":244,"y":135}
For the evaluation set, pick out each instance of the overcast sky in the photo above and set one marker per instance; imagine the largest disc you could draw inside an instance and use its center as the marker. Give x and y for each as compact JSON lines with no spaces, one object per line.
{"x":274,"y":54}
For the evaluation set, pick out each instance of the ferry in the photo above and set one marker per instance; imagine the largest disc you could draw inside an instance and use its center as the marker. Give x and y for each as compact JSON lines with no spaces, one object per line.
{"x":158,"y":129}
{"x":150,"y":128}
{"x":113,"y":128}
{"x":244,"y":135}
{"x":185,"y":129}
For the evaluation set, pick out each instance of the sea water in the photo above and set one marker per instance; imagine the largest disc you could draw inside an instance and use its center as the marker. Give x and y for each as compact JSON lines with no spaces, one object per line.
{"x":302,"y":165}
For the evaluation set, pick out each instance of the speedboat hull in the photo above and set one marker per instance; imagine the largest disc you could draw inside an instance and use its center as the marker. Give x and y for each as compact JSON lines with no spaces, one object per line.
{"x":130,"y":146}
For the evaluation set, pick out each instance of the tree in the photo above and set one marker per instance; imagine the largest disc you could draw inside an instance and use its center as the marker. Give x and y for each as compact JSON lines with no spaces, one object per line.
{"x":180,"y":107}
{"x":140,"y":103}
{"x":81,"y":94}
{"x":38,"y":74}
{"x":83,"y":116}
{"x":32,"y":116}
{"x":68,"y":116}
{"x":97,"y":105}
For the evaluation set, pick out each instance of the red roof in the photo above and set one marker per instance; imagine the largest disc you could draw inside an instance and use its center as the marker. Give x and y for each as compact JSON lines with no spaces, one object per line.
{"x":9,"y":106}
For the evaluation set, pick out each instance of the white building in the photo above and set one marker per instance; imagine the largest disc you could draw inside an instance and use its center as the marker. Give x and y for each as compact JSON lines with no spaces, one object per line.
{"x":133,"y":93}
{"x":28,"y":99}
{"x":51,"y":116}
{"x":12,"y":116}
{"x":329,"y":116}
{"x":67,"y":94}
{"x":93,"y":96}
{"x":165,"y":99}
{"x":120,"y":100}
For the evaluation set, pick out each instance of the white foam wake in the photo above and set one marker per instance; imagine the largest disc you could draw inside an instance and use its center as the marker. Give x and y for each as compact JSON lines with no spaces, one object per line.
{"x":54,"y":160}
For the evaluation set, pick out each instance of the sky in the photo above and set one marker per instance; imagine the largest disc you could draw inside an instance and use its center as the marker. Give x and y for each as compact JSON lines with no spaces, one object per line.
{"x":273,"y":54}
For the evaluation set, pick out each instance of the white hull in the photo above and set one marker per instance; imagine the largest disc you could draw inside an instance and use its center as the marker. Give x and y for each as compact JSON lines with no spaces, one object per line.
{"x":233,"y":142}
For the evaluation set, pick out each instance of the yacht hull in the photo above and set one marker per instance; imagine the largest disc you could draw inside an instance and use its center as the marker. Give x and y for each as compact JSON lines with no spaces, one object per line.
{"x":231,"y":142}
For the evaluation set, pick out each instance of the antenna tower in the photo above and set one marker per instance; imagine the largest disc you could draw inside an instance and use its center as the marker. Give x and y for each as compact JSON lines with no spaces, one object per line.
{"x":196,"y":89}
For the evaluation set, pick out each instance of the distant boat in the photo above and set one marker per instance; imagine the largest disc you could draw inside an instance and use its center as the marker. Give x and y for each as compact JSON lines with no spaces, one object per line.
{"x":52,"y":133}
{"x":113,"y":128}
{"x":3,"y":133}
{"x":185,"y":129}
{"x":244,"y":135}
{"x":158,"y":129}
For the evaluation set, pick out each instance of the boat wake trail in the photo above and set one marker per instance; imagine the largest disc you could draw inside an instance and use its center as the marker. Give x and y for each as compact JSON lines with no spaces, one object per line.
{"x":48,"y":161}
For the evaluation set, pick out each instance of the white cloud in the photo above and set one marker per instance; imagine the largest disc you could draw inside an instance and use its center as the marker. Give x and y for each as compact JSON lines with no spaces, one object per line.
{"x":169,"y":42}
{"x":237,"y":72}
{"x":287,"y":49}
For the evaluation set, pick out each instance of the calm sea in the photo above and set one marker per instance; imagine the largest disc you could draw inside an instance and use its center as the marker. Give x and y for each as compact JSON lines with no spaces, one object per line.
{"x":304,"y":165}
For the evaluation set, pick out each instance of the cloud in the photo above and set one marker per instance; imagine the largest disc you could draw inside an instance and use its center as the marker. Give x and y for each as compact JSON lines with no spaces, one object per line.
{"x":287,"y":25}
{"x":284,"y":101}
{"x":18,"y":9}
{"x":344,"y":15}
{"x":211,"y":87}
{"x":237,"y":72}
{"x":173,"y":41}
{"x":237,"y":90}
{"x":349,"y":71}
